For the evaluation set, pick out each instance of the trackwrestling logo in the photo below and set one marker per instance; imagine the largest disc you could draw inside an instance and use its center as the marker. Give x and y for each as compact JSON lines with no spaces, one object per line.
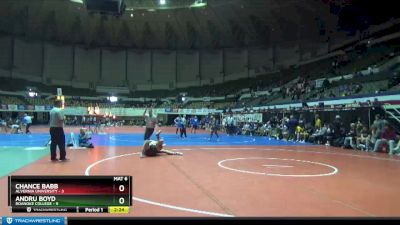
{"x":33,"y":220}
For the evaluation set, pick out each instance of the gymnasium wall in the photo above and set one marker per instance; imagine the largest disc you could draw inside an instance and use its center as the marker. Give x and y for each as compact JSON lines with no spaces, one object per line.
{"x":113,"y":69}
{"x":211,"y":65}
{"x":87,"y":65}
{"x":261,"y":57}
{"x":235,"y":63}
{"x":311,"y":50}
{"x":188,"y":66}
{"x":164,"y":67}
{"x":58,"y":62}
{"x":144,"y":69}
{"x":5,"y":52}
{"x":139,"y":68}
{"x":28,"y":58}
{"x":286,"y":55}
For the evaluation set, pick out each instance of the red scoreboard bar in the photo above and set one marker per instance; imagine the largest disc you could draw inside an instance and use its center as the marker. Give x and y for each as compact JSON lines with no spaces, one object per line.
{"x":75,"y":194}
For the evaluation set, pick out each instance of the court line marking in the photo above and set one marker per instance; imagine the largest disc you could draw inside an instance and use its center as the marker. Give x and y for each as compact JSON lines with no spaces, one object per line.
{"x":309,"y":151}
{"x":353,"y":207}
{"x":217,"y":148}
{"x":335,"y":170}
{"x":135,"y":140}
{"x":87,"y":173}
{"x":232,"y":148}
{"x":283,"y":166}
{"x":35,"y":148}
{"x":201,"y":140}
{"x":24,"y":141}
{"x":181,"y":208}
{"x":181,"y":149}
{"x":331,"y":153}
{"x":115,"y":139}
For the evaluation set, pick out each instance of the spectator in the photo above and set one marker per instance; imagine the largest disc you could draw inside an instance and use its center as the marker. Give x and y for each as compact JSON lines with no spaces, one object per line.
{"x":387,"y":135}
{"x":363,"y":139}
{"x":15,"y":127}
{"x":338,"y":132}
{"x":379,"y":124}
{"x":394,"y":149}
{"x":291,"y":125}
{"x":318,"y":122}
{"x":231,"y":121}
{"x":350,"y":137}
{"x":319,"y":134}
{"x":299,"y":133}
{"x":3,"y":125}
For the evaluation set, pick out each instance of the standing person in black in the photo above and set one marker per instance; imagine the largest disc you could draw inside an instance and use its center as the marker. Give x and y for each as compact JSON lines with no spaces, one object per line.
{"x":151,"y":122}
{"x":57,"y":132}
{"x":214,"y":122}
{"x":338,"y":132}
{"x":292,"y":124}
{"x":183,"y":126}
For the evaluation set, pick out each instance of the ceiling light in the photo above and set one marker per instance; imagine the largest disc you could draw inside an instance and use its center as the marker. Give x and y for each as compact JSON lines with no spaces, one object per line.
{"x":77,"y":1}
{"x":113,"y":99}
{"x":198,"y":3}
{"x":32,"y":94}
{"x":162,"y":2}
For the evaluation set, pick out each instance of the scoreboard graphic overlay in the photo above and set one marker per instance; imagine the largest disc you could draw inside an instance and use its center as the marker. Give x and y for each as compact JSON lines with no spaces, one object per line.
{"x":70,"y":194}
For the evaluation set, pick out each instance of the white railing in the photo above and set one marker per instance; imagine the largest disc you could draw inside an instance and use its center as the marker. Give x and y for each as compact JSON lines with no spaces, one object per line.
{"x":393,"y":111}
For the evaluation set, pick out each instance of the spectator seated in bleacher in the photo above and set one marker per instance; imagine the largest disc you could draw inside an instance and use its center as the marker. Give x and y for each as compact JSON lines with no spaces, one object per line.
{"x":394,"y":148}
{"x":303,"y":132}
{"x":388,"y":136}
{"x":3,"y":125}
{"x":246,"y":129}
{"x":283,"y":132}
{"x":260,"y":131}
{"x":267,"y":128}
{"x":16,"y":127}
{"x":252,"y":128}
{"x":350,"y":137}
{"x":299,"y":131}
{"x":363,"y":139}
{"x":308,"y":130}
{"x":318,"y":136}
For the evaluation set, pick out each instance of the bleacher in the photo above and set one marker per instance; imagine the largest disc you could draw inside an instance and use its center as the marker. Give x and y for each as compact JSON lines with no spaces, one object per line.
{"x":12,"y":100}
{"x":351,"y":62}
{"x":38,"y":101}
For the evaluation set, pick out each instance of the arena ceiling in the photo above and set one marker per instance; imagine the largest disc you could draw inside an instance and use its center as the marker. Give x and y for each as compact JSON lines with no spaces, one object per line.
{"x":145,"y":24}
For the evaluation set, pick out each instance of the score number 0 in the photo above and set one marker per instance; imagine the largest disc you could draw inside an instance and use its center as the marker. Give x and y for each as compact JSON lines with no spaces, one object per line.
{"x":121,"y":200}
